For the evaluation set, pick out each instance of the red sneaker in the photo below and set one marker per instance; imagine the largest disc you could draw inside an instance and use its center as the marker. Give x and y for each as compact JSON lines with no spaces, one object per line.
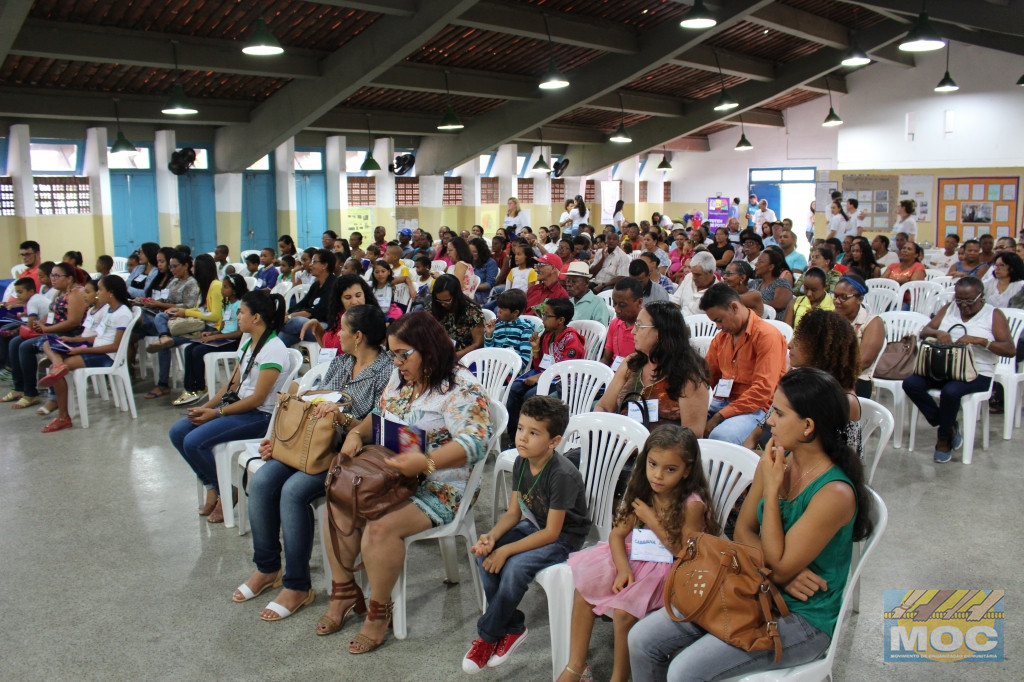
{"x":478,"y":655}
{"x":506,"y":645}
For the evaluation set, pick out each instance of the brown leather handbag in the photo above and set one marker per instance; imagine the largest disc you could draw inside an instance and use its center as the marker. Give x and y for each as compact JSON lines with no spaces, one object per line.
{"x":723,"y":587}
{"x":897,"y":359}
{"x":365,"y":487}
{"x":299,"y":439}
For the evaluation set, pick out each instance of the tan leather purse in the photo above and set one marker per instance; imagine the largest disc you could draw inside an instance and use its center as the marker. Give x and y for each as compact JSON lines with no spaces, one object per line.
{"x":723,"y":587}
{"x":299,"y":439}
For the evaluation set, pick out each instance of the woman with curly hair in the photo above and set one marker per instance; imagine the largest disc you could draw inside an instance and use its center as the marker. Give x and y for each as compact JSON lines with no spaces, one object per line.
{"x":664,"y":368}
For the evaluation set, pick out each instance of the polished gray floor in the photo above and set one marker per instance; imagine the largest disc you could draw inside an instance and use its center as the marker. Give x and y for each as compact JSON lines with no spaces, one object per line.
{"x":108,"y":573}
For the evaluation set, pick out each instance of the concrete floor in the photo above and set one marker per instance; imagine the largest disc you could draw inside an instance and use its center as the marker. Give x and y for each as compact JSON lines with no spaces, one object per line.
{"x":108,"y":573}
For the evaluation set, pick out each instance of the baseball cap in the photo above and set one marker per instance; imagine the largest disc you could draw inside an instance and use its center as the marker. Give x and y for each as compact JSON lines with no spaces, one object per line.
{"x":551,"y":259}
{"x":405,"y":231}
{"x":578,"y":269}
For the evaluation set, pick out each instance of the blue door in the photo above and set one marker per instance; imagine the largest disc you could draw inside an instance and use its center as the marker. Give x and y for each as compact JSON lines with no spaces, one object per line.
{"x":133,"y":207}
{"x":259,"y":211}
{"x":311,"y":207}
{"x":769,"y":191}
{"x":198,"y":211}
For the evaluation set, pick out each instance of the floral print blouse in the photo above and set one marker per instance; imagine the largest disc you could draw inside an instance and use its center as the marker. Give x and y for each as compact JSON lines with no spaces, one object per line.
{"x":461,"y":328}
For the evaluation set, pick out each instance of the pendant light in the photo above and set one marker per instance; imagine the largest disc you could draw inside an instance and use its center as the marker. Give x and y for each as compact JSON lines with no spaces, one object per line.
{"x":698,"y":17}
{"x":621,"y":136}
{"x":664,"y":165}
{"x":922,"y":37}
{"x":947,"y":84}
{"x":744,"y":144}
{"x":449,"y":121}
{"x":855,"y":56}
{"x":833,"y":118}
{"x":1020,"y":81}
{"x":178,"y":104}
{"x":554,"y":80}
{"x":121,"y":144}
{"x":262,"y":43}
{"x":725,"y":102}
{"x":369,"y":163}
{"x":541,"y":166}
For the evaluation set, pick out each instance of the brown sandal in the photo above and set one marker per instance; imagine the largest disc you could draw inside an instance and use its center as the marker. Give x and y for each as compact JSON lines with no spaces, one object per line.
{"x":361,"y":644}
{"x":340,"y":592}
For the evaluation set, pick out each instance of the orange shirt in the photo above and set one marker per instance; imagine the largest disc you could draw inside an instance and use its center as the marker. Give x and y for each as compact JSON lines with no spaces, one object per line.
{"x":755,"y":363}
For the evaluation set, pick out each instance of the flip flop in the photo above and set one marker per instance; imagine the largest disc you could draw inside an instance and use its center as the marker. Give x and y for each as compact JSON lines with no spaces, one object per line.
{"x":25,"y":401}
{"x":155,"y":393}
{"x":159,"y":346}
{"x":56,"y":373}
{"x":11,"y":397}
{"x":249,"y":594}
{"x":282,"y":612}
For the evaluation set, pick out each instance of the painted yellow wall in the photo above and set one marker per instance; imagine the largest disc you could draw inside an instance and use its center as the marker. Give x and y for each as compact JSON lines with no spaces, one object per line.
{"x":229,"y":232}
{"x":59,"y":234}
{"x":12,"y":233}
{"x":287,"y":223}
{"x":334,"y":219}
{"x":170,"y":228}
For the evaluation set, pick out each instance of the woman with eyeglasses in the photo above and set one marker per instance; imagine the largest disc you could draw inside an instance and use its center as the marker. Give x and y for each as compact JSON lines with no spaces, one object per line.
{"x":968,"y":321}
{"x":182,"y":292}
{"x":461,"y":317}
{"x":431,"y":391}
{"x":848,"y":298}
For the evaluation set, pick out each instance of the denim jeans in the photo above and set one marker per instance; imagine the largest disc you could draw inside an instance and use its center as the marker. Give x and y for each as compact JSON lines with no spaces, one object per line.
{"x":506,"y":588}
{"x":5,"y":341}
{"x":280,"y":506}
{"x":289,"y":334}
{"x":517,"y":395}
{"x":942,"y":415}
{"x":160,"y":324}
{"x":196,"y":443}
{"x":734,"y":429}
{"x":195,"y":365}
{"x":24,"y":364}
{"x":656,"y":638}
{"x":146,"y":325}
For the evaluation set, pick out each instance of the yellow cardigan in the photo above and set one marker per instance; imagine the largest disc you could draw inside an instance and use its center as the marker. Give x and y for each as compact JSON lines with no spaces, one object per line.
{"x":214,"y":306}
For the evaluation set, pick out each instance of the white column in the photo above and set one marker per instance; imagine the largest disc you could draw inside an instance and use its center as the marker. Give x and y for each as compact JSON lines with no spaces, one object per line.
{"x":504,"y":168}
{"x":384,"y":214}
{"x":284,"y":190}
{"x":541,"y":181}
{"x":168,"y":216}
{"x":337,"y":182}
{"x":227,"y":193}
{"x":97,"y":169}
{"x":19,"y":167}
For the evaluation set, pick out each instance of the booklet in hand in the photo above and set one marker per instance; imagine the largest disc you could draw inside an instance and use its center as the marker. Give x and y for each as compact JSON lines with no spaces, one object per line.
{"x":396,"y":435}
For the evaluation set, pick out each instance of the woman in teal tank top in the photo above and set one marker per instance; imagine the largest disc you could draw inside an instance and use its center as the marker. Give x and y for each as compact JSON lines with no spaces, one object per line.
{"x":804,"y":510}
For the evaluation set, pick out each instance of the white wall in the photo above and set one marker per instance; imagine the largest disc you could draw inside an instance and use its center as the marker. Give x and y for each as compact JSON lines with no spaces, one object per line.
{"x":987,"y":113}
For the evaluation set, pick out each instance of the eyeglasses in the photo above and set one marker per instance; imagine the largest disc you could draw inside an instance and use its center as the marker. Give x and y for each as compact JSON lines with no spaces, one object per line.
{"x":643,"y":326}
{"x":403,"y":355}
{"x":967,"y":303}
{"x":27,"y":254}
{"x":843,"y":298}
{"x":445,"y":302}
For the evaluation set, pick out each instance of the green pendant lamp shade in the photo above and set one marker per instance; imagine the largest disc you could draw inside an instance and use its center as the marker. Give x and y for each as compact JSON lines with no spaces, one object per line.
{"x":621,"y":136}
{"x":369,"y":163}
{"x":725,"y":102}
{"x":450,"y":121}
{"x":554,"y":80}
{"x":664,"y":165}
{"x":744,"y":144}
{"x":178,"y":104}
{"x":833,"y":118}
{"x":947,"y":84}
{"x":541,"y":166}
{"x":122,"y":144}
{"x":698,"y":17}
{"x":262,"y":43}
{"x":922,"y":37}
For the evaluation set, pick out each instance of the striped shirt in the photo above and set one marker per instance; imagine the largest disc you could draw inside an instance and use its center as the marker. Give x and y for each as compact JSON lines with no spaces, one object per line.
{"x":515,"y":336}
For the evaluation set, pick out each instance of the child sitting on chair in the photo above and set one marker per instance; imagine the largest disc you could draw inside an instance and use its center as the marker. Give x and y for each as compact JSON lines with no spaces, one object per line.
{"x":546,"y":519}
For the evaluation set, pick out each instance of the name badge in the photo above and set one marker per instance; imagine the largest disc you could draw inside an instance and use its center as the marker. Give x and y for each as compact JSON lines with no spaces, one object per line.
{"x":326,"y":355}
{"x":647,"y":547}
{"x":227,"y":315}
{"x":652,"y":411}
{"x":316,"y":301}
{"x":547,"y":360}
{"x":528,"y":514}
{"x":50,"y":317}
{"x":163,"y":294}
{"x":260,"y":284}
{"x":616,"y":362}
{"x":724,"y":388}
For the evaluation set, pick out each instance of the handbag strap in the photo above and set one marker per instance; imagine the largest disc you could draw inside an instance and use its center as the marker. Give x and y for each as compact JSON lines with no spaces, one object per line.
{"x":245,"y":475}
{"x":306,"y":408}
{"x":333,"y":526}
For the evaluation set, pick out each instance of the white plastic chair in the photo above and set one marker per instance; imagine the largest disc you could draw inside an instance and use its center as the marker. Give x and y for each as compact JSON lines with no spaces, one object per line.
{"x":538,"y":324}
{"x":730,"y":470}
{"x":768,"y":313}
{"x":120,"y":379}
{"x":923,"y":296}
{"x":606,"y":442}
{"x":224,"y":453}
{"x":970,"y":406}
{"x":821,"y":669}
{"x":438,"y":266}
{"x":881,"y":300}
{"x":785,"y":329}
{"x":251,"y":283}
{"x":594,"y":335}
{"x":296,"y":293}
{"x":932,"y":274}
{"x":606,"y":296}
{"x":214,"y":361}
{"x":874,"y":417}
{"x":494,"y":368}
{"x":946,"y":282}
{"x":281,"y":287}
{"x":1009,"y":376}
{"x":701,"y":344}
{"x":701,"y":325}
{"x":897,"y":325}
{"x":17,"y":270}
{"x":882,"y":283}
{"x":489,"y":315}
{"x":580,"y":381}
{"x":463,"y":525}
{"x":120,"y":264}
{"x":250,"y":252}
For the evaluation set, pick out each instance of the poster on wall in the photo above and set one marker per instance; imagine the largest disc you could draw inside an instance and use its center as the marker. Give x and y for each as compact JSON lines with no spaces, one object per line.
{"x":718,"y":212}
{"x":609,"y":195}
{"x":823,"y":195}
{"x":918,"y":188}
{"x":972,"y":207}
{"x":874,"y":194}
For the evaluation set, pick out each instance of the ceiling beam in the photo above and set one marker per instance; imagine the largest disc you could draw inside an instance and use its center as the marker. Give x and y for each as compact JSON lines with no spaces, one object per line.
{"x":566,"y":29}
{"x":980,"y":38}
{"x":768,"y":118}
{"x":381,"y":123}
{"x":1003,"y":17}
{"x":424,"y":78}
{"x":398,"y":8}
{"x":12,"y":15}
{"x":564,"y":135}
{"x":599,"y":77}
{"x":353,"y":66}
{"x":691,"y":143}
{"x":653,"y":133}
{"x":639,"y":103}
{"x":733,"y":64}
{"x":801,"y":24}
{"x":837,"y":82}
{"x":892,"y":54}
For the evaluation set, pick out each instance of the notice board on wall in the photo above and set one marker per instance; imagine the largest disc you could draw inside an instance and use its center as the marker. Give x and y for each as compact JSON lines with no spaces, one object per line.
{"x":877,"y":196}
{"x":972,"y":207}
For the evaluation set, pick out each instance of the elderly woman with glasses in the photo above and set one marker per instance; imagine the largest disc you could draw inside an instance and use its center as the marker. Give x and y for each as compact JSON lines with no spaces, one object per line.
{"x":430,"y":391}
{"x":967,"y":321}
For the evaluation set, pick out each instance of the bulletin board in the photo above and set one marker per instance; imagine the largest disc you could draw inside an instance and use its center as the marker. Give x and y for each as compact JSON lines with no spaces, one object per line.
{"x":878,"y":196}
{"x":971,"y":207}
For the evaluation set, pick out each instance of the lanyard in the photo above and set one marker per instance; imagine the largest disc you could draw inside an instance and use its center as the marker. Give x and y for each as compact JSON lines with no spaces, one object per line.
{"x":534,"y":485}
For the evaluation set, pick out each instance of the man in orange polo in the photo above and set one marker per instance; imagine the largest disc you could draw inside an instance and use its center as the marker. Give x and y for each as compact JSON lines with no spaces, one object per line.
{"x":747,"y":358}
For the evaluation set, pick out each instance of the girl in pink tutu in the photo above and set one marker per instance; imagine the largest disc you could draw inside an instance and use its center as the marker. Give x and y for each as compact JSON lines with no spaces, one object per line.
{"x":668,"y":495}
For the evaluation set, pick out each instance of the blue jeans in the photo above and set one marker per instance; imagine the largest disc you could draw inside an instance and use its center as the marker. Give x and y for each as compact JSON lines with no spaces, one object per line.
{"x":942,"y":415}
{"x":656,"y":638}
{"x":24,"y":365}
{"x":195,"y":364}
{"x":734,"y":429}
{"x":506,"y":588}
{"x":517,"y":395}
{"x":289,"y":334}
{"x":280,"y":506}
{"x":196,"y":443}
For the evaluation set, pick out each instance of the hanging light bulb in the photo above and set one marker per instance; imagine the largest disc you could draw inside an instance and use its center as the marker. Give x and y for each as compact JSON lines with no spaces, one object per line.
{"x":833,"y":118}
{"x":449,"y":121}
{"x":1020,"y":81}
{"x":725,"y":102}
{"x":698,"y":17}
{"x":178,"y":104}
{"x":554,"y":80}
{"x":621,"y":135}
{"x":262,"y":43}
{"x":947,"y":84}
{"x":122,"y":144}
{"x":855,"y":56}
{"x":922,"y":37}
{"x":541,"y":166}
{"x":664,"y":165}
{"x":369,"y":163}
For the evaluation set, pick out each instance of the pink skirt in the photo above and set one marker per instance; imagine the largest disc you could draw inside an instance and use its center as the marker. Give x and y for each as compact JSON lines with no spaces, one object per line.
{"x":593,"y":571}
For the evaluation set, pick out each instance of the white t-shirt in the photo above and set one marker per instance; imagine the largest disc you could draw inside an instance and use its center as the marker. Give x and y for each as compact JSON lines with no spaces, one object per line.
{"x":764,"y":216}
{"x":563,"y":219}
{"x":909,"y":226}
{"x":515,"y":221}
{"x":578,"y":219}
{"x":837,"y":224}
{"x":940,"y":262}
{"x":93,"y":319}
{"x":113,"y":320}
{"x":384,"y":296}
{"x":890,"y":257}
{"x":273,"y":355}
{"x":38,"y":305}
{"x":619,"y":218}
{"x":665,"y":221}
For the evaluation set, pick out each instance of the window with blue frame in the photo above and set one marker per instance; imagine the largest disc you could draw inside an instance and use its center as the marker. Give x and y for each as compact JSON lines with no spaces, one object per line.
{"x":57,"y":157}
{"x":3,"y":156}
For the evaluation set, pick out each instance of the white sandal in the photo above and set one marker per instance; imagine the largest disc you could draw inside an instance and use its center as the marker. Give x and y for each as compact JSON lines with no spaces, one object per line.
{"x":249,"y":594}
{"x":283,"y":612}
{"x":44,"y":411}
